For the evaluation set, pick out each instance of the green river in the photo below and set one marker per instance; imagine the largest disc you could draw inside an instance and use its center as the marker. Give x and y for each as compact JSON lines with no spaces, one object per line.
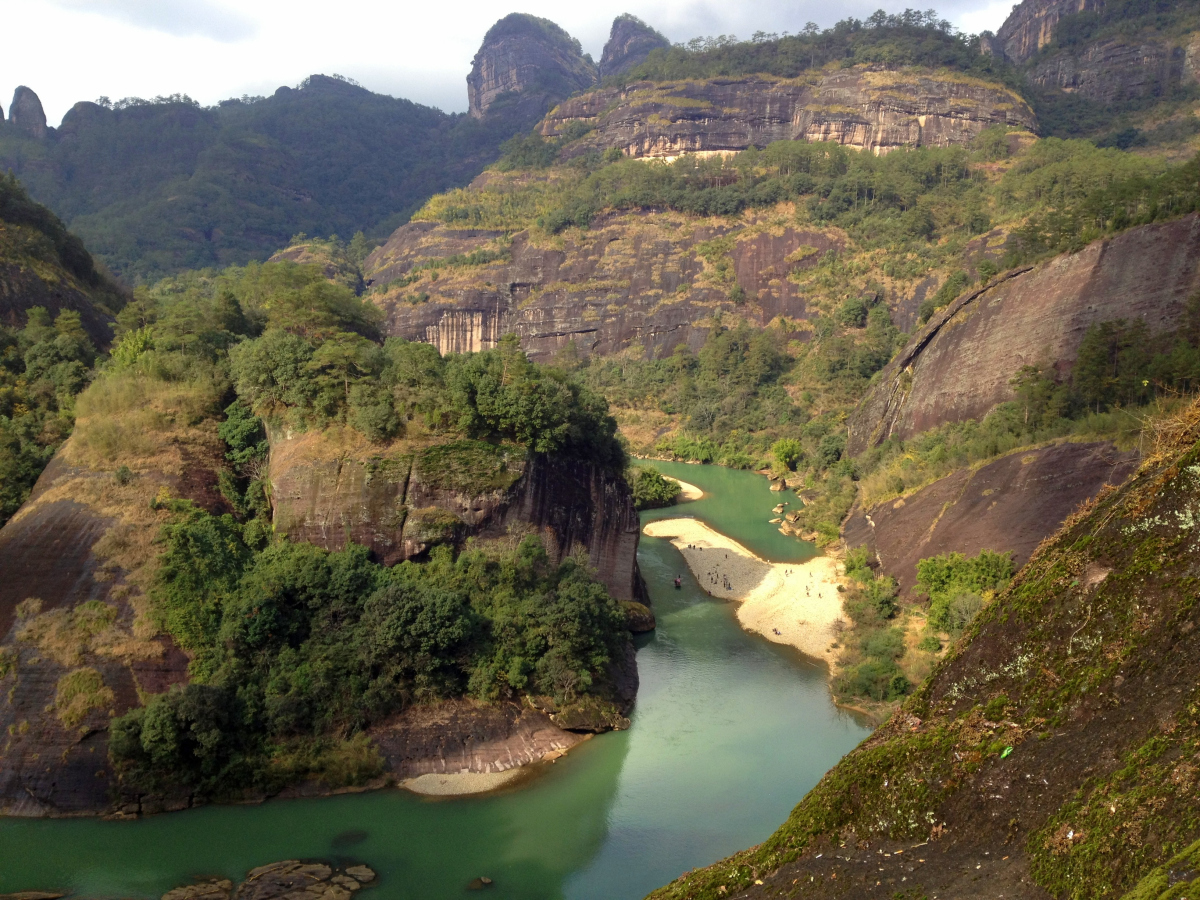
{"x":728,"y":733}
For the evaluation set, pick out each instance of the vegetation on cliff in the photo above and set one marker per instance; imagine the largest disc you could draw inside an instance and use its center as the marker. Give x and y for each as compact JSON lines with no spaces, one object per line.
{"x":910,"y":38}
{"x":45,"y":361}
{"x":296,"y":650}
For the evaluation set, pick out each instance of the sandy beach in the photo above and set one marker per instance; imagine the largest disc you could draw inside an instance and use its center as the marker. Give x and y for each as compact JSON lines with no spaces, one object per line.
{"x":800,"y":601}
{"x":456,"y":784}
{"x":688,"y":491}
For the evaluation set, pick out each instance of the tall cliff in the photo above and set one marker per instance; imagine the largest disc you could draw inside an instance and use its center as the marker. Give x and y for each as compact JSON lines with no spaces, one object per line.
{"x":959,"y":365}
{"x":532,"y":61}
{"x":401,"y":501}
{"x":864,"y":107}
{"x":630,"y":279}
{"x":629,"y":43}
{"x":1030,"y":25}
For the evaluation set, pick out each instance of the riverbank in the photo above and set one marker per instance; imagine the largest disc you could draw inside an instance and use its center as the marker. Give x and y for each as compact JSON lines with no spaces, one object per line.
{"x":788,"y":603}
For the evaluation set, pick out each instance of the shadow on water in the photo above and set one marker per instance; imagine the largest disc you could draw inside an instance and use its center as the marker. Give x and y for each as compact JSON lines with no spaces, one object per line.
{"x":729,"y":731}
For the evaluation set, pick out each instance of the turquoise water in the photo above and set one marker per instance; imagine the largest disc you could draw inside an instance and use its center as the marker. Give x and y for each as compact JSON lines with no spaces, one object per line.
{"x":728,"y":733}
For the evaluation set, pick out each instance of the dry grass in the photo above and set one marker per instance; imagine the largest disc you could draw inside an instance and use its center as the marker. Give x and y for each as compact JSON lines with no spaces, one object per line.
{"x":68,"y":635}
{"x":142,"y":422}
{"x":78,"y":693}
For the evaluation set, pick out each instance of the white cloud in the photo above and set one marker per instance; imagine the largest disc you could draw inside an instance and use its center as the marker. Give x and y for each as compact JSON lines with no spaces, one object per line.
{"x":178,"y":17}
{"x":212,"y":50}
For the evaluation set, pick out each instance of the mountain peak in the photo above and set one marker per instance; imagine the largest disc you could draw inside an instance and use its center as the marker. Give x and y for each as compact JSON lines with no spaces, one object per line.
{"x":531,"y":57}
{"x":26,"y":112}
{"x":629,"y":43}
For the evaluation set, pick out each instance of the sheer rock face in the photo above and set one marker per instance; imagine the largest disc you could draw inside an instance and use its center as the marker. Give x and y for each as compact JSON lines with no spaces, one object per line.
{"x":1113,"y":70}
{"x":629,"y":43}
{"x":530,"y":57}
{"x":630,"y":279}
{"x":27,"y":114}
{"x":1009,"y":505}
{"x":401,"y":501}
{"x":958,"y":366}
{"x":51,"y":550}
{"x":1030,"y":25}
{"x":861,"y":107}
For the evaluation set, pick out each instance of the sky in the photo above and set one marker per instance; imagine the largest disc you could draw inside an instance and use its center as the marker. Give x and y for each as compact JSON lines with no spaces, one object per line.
{"x":71,"y":50}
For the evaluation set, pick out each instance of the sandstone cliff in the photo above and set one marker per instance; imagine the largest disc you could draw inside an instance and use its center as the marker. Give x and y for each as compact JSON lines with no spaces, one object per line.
{"x":959,"y":365}
{"x":1030,"y":26}
{"x":529,"y":57}
{"x":629,"y":43}
{"x":1110,"y":71}
{"x":863,"y":107}
{"x":27,"y":114}
{"x":401,"y":501}
{"x":632,"y":279}
{"x":1008,"y":505}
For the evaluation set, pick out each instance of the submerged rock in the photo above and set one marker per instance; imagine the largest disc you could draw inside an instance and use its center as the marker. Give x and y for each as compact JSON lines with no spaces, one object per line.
{"x":290,"y":878}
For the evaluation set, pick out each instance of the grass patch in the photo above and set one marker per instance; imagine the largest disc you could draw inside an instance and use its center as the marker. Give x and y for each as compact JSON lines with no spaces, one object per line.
{"x":78,"y":693}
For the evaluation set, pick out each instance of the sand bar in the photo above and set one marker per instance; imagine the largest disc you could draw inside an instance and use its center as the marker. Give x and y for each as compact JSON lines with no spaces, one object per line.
{"x":687,"y":491}
{"x":455,"y":784}
{"x":799,"y":600}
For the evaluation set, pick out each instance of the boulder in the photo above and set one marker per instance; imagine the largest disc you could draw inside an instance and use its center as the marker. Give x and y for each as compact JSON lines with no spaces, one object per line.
{"x":27,"y":114}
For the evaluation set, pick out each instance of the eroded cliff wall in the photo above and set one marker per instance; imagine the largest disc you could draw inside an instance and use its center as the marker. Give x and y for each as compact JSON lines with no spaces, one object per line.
{"x":634,"y":279}
{"x":1009,"y":505}
{"x":864,"y":107}
{"x":959,"y":365}
{"x":401,"y":501}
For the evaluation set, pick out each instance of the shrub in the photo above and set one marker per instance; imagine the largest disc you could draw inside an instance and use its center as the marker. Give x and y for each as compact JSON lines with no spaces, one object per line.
{"x":651,"y":490}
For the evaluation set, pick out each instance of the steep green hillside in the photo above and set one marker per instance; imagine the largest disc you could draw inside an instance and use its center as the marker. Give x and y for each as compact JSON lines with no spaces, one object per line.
{"x":55,"y":311}
{"x":162,"y":185}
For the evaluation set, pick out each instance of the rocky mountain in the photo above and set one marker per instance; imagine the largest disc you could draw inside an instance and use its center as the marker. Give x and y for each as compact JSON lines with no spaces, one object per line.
{"x":27,"y":114}
{"x":864,"y":107}
{"x":629,"y":43}
{"x":959,"y":365}
{"x":529,"y":61}
{"x":78,"y":558}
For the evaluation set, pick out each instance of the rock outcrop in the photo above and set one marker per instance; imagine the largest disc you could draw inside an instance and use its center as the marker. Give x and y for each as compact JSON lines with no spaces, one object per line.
{"x":864,"y":107}
{"x":1008,"y":505}
{"x":530,"y":58}
{"x":630,"y":280}
{"x":291,"y":879}
{"x":1110,"y":71}
{"x":629,"y":43}
{"x":401,"y":501}
{"x":1030,"y":25}
{"x":959,"y":365}
{"x":27,"y":114}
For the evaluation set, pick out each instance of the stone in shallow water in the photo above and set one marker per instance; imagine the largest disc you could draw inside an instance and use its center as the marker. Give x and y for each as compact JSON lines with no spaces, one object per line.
{"x":217,"y":889}
{"x":362,"y":873}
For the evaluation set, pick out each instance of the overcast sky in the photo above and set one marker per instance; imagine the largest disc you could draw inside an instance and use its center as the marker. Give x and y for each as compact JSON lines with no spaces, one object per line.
{"x":70,"y":50}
